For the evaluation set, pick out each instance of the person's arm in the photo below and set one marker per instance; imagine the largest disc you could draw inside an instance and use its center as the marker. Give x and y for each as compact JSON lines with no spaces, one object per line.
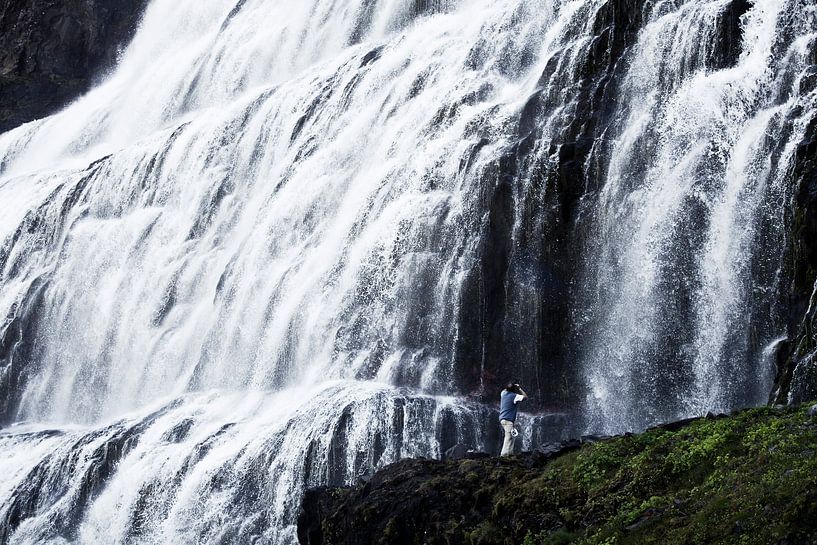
{"x":521,"y":396}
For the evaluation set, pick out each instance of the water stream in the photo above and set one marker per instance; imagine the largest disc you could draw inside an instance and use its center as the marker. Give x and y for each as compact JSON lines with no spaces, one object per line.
{"x":243,"y":264}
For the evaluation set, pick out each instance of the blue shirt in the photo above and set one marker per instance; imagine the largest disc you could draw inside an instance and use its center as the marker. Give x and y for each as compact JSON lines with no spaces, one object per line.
{"x":507,"y":405}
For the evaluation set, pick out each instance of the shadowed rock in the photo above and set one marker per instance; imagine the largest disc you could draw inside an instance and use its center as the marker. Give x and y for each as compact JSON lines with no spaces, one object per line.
{"x":51,"y":51}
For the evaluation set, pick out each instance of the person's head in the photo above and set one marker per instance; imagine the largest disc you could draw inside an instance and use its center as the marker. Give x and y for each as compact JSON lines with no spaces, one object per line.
{"x":512,"y":387}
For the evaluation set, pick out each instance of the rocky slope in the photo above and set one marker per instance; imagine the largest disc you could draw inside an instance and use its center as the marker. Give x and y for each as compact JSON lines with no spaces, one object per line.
{"x":51,"y":51}
{"x":750,"y":478}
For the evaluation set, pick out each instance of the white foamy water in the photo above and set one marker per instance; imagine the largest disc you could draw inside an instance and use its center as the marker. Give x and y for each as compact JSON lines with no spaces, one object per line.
{"x":234,"y":268}
{"x":699,"y":148}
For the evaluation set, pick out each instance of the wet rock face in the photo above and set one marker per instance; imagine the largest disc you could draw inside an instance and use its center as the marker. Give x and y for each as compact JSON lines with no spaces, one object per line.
{"x":797,"y":375}
{"x":728,"y":49}
{"x":51,"y":51}
{"x":516,"y":308}
{"x":17,"y":351}
{"x":515,"y":312}
{"x":515,"y":320}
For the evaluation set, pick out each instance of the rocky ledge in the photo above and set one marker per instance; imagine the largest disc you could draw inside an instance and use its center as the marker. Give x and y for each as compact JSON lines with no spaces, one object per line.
{"x":748,"y":478}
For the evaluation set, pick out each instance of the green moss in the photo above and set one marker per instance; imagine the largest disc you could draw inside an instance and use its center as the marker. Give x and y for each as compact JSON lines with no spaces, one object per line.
{"x":560,"y":536}
{"x":737,"y":480}
{"x":484,"y":534}
{"x":390,"y":532}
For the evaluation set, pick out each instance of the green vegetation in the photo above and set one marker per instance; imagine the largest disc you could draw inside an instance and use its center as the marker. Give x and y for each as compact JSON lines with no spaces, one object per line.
{"x":746,"y":479}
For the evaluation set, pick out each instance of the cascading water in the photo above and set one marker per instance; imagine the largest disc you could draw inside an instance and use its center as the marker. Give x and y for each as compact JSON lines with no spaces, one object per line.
{"x":690,"y":216}
{"x":248,"y":262}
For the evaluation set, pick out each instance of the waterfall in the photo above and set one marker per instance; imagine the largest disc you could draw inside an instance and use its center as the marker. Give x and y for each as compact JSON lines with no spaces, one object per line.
{"x":283,"y":244}
{"x":685,"y":269}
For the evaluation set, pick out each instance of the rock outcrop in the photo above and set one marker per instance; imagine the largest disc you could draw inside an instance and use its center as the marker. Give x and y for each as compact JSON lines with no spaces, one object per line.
{"x":746,"y":478}
{"x":797,"y":369}
{"x":51,"y":51}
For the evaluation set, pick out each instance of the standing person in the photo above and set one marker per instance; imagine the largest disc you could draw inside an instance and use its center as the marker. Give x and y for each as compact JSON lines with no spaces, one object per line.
{"x":508,"y":399}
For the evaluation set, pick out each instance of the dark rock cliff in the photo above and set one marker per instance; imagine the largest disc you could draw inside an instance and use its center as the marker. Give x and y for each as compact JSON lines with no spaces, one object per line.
{"x":797,"y":355}
{"x":797,"y":367}
{"x":51,"y":51}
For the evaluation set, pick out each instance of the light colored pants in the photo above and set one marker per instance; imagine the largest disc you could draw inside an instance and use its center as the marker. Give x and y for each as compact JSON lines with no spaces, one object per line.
{"x":507,"y":445}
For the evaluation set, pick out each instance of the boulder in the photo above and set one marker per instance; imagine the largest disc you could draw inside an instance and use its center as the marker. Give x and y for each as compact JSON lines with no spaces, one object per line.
{"x":461,"y":451}
{"x":457,"y":452}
